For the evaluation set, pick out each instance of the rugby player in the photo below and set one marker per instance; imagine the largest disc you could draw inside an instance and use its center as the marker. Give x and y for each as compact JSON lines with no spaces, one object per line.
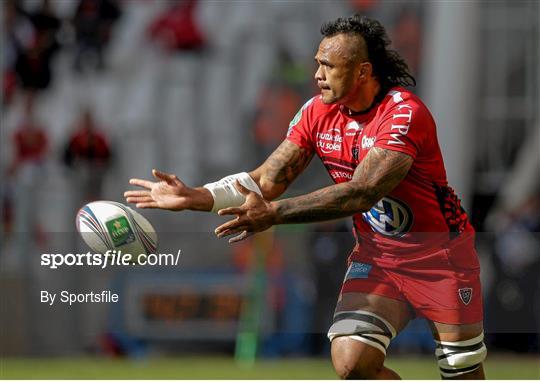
{"x":415,"y":251}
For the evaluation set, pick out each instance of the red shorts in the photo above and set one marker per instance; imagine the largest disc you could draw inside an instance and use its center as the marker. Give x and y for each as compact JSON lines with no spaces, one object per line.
{"x":441,"y":285}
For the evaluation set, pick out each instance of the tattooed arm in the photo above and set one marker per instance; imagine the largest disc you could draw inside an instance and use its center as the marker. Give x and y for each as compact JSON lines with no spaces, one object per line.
{"x":280,"y":169}
{"x":376,"y":176}
{"x":169,"y":192}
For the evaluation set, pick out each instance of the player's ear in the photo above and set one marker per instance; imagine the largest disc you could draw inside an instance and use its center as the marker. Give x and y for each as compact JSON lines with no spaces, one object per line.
{"x":365,"y":70}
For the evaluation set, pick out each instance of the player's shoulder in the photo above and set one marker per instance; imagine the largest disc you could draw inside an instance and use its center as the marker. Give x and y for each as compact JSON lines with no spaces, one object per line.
{"x":398,"y":97}
{"x":312,"y":110}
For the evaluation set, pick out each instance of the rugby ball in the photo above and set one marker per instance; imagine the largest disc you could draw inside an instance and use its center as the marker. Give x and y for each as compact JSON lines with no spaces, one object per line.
{"x":106,"y":225}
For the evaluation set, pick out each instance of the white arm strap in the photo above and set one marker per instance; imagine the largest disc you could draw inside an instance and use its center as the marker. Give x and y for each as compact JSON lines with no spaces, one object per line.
{"x":225,"y":193}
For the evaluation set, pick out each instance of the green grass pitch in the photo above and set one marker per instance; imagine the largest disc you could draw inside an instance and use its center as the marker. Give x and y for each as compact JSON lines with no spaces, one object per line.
{"x":190,"y":367}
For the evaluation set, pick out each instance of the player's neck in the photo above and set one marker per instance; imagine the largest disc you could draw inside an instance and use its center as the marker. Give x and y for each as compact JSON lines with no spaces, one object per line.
{"x":366,"y":97}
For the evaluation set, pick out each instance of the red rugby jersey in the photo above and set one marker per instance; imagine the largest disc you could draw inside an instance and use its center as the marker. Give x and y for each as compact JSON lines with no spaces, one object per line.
{"x":422,"y":212}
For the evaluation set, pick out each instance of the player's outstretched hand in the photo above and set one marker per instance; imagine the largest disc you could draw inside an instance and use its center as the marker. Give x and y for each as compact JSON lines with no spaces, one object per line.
{"x":168,"y":193}
{"x":255,"y":215}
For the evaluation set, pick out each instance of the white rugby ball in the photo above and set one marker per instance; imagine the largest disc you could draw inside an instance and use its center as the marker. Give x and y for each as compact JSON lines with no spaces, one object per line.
{"x":106,"y":225}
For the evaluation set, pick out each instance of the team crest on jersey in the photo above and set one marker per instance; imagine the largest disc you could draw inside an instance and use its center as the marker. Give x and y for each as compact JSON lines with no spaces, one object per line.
{"x":465,"y":294}
{"x":354,"y":153}
{"x":390,"y":217}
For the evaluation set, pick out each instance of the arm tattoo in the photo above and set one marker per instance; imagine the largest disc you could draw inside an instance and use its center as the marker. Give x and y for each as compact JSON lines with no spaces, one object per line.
{"x":376,"y":176}
{"x":282,"y":167}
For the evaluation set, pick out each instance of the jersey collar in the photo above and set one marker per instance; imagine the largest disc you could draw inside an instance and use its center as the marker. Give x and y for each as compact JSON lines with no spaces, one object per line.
{"x":366,"y":114}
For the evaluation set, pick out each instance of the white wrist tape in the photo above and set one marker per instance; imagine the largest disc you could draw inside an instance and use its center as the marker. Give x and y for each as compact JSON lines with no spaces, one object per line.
{"x":225,"y":193}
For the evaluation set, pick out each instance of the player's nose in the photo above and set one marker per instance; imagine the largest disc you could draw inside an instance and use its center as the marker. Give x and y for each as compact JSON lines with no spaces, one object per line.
{"x":319,"y":75}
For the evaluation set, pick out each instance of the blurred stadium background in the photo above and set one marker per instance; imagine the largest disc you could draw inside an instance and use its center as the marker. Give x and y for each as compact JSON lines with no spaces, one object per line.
{"x":95,"y":92}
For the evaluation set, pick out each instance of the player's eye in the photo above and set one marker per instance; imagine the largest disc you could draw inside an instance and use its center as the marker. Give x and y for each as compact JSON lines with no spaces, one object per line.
{"x":325,"y":64}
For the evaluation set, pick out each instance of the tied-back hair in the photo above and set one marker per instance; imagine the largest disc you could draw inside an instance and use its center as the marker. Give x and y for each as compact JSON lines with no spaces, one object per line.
{"x":388,"y":66}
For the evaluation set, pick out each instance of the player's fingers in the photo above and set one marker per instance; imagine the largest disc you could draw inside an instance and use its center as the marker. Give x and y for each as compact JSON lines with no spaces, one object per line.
{"x":230,"y":211}
{"x":231,"y":224}
{"x":141,"y":182}
{"x":139,"y":199}
{"x":232,"y":231}
{"x":240,"y":187}
{"x":242,"y":236}
{"x":147,"y":205}
{"x":169,"y":178}
{"x":136,"y":193}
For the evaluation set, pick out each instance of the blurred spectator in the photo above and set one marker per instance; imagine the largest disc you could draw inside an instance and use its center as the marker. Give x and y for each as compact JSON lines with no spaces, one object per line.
{"x":46,"y":23}
{"x":513,"y":305}
{"x":33,"y":62}
{"x":88,"y":153}
{"x":30,"y":142}
{"x":9,"y":84}
{"x":18,"y":32}
{"x":517,"y":247}
{"x":7,"y":209}
{"x":17,"y":35}
{"x":176,"y":28}
{"x":33,"y":66}
{"x":93,"y":24}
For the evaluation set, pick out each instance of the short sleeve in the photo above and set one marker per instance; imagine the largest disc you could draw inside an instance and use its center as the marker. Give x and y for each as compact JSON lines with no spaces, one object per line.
{"x":405,"y":128}
{"x":300,"y":127}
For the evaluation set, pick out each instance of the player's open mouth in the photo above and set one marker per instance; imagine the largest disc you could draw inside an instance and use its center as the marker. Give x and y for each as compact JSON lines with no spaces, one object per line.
{"x":323,"y":86}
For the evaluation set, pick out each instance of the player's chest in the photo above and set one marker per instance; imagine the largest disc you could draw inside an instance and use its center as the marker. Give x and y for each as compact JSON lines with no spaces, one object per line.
{"x":342,"y":143}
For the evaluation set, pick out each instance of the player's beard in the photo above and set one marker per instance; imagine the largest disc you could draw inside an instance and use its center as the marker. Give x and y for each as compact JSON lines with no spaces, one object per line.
{"x":328,"y":96}
{"x":331,"y":95}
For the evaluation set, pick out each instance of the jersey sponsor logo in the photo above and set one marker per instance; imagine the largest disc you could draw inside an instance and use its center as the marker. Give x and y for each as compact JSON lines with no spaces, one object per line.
{"x":358,"y":271}
{"x":465,"y":294}
{"x":390,"y":217}
{"x":367,"y":142}
{"x":329,"y":141}
{"x":401,"y":127}
{"x":353,"y":128}
{"x":298,"y":116}
{"x":336,"y":174}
